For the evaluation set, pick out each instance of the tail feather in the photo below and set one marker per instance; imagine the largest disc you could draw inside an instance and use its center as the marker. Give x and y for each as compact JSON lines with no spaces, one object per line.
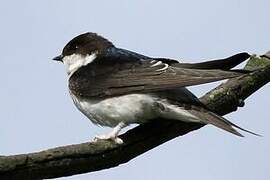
{"x":208,"y":117}
{"x":238,"y":127}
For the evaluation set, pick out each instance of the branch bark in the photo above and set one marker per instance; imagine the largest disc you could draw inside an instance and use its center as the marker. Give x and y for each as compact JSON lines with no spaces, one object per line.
{"x":89,"y":157}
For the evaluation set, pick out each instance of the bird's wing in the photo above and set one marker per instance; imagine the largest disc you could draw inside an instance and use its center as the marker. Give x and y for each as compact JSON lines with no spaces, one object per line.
{"x":224,"y":64}
{"x":123,"y":72}
{"x":183,"y":94}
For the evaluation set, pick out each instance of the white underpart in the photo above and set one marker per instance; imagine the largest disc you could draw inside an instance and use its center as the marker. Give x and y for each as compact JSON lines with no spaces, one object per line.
{"x":178,"y":113}
{"x":129,"y":109}
{"x":75,"y":61}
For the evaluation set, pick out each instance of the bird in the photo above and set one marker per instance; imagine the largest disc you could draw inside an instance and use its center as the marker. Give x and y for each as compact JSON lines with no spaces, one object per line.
{"x":116,"y":87}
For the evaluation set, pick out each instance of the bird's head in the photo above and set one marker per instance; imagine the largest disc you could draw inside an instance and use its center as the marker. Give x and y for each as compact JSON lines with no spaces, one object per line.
{"x":82,"y":50}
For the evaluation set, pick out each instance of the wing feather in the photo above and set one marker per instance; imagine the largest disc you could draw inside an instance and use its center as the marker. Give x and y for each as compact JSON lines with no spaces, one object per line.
{"x":108,"y":77}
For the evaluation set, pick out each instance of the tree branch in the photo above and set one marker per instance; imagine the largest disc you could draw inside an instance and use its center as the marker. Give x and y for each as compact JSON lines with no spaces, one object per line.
{"x":90,"y":156}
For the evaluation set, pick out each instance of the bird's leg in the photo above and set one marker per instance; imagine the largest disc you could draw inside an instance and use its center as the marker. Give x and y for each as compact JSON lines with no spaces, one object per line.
{"x":113,"y":134}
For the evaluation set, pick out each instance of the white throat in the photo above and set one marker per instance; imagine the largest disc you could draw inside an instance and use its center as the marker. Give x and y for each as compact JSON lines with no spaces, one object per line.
{"x":75,"y":61}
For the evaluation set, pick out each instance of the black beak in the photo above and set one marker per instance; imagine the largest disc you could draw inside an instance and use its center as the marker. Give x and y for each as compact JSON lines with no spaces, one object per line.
{"x":58,"y":58}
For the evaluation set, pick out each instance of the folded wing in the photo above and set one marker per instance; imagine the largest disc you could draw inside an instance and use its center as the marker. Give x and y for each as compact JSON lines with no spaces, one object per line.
{"x":108,"y":76}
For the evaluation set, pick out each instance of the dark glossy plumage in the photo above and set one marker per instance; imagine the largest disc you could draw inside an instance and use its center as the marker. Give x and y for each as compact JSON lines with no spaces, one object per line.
{"x":118,"y":71}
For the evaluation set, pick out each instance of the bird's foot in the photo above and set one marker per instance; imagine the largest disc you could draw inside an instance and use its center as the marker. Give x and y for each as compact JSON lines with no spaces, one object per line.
{"x":110,"y":136}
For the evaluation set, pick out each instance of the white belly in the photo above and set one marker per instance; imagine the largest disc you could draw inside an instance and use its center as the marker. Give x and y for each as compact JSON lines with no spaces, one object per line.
{"x":133,"y":108}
